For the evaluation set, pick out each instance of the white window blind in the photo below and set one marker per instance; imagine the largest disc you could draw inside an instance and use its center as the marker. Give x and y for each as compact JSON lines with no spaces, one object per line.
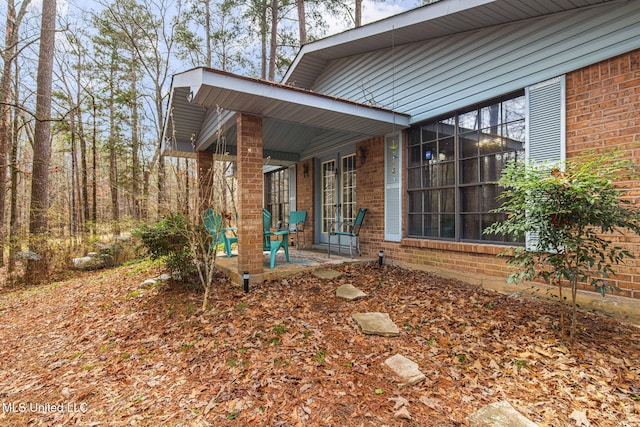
{"x":546,"y":126}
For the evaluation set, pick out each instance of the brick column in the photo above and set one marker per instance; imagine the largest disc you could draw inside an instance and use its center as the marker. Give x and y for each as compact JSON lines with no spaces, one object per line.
{"x":250,"y":185}
{"x":305,"y":174}
{"x":205,"y":179}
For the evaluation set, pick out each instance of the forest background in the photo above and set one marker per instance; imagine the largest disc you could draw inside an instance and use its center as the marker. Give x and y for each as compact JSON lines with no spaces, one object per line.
{"x":83,"y":96}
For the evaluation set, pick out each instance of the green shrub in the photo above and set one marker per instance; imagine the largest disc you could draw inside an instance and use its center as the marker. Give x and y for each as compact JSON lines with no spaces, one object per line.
{"x":167,"y":240}
{"x":574,"y":211}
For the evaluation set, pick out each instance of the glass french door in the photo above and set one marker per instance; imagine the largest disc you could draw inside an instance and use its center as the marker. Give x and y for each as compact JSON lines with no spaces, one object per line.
{"x":338,"y":192}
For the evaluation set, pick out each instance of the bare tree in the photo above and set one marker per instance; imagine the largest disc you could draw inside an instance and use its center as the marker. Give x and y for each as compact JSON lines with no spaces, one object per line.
{"x":150,"y":33}
{"x":71,"y":77}
{"x":20,"y":124}
{"x":6,"y":135}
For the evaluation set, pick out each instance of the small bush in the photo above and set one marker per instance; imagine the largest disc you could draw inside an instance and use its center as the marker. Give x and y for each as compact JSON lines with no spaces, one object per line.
{"x":167,"y":240}
{"x":573,"y":210}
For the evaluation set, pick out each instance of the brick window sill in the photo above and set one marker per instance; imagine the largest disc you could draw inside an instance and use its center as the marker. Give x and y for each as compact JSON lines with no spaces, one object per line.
{"x":476,"y":248}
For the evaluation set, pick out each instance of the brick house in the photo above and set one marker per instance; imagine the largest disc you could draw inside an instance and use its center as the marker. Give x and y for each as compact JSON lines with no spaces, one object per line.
{"x":414,"y":116}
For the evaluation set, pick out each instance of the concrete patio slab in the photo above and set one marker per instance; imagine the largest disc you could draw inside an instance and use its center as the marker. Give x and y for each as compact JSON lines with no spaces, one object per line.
{"x":499,"y":414}
{"x":376,"y":324}
{"x":349,"y":292}
{"x":405,"y":369}
{"x":300,"y":261}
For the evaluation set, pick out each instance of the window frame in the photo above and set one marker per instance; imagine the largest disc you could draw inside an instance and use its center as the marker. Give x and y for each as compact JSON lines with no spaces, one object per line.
{"x":276,"y":195}
{"x":429,"y":213}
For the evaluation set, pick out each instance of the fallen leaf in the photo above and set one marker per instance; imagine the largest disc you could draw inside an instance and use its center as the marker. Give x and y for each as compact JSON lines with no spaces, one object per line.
{"x":400,"y":402}
{"x":580,"y":418}
{"x":431,"y":402}
{"x":403,"y":413}
{"x":210,"y":405}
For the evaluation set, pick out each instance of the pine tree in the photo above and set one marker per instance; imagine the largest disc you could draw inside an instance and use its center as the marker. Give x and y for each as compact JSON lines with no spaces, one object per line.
{"x":37,"y":267}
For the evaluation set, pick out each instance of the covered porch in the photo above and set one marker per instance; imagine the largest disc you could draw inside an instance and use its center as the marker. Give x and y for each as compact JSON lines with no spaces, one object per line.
{"x":300,"y":260}
{"x":264,"y":126}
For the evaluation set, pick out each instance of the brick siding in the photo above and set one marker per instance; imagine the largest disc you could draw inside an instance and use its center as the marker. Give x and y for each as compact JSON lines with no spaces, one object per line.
{"x":603,"y":114}
{"x":305,"y":174}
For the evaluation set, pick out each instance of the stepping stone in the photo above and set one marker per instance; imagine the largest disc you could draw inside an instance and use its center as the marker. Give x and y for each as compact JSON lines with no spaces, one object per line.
{"x":500,"y":414}
{"x":349,"y":292}
{"x":376,"y":324}
{"x":406,"y":369}
{"x":327,"y":274}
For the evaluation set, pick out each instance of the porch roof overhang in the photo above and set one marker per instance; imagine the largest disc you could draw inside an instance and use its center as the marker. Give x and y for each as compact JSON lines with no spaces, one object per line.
{"x":296,"y":123}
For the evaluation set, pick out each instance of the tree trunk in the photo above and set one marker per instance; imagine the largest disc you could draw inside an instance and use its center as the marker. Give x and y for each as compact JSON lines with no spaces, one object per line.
{"x":162,"y":200}
{"x":6,"y":133}
{"x":84,"y":186}
{"x":113,"y":184}
{"x":14,"y":225}
{"x":273,"y":44}
{"x":74,"y":180}
{"x":263,"y":38}
{"x":135,"y":162}
{"x":113,"y":168}
{"x":358,"y":13}
{"x":207,"y":29}
{"x":179,"y":192}
{"x":187,"y":190}
{"x":5,"y":116}
{"x":37,"y":269}
{"x":161,"y":184}
{"x":13,"y":209}
{"x":302,"y":22}
{"x":145,"y":192}
{"x":94,"y":182}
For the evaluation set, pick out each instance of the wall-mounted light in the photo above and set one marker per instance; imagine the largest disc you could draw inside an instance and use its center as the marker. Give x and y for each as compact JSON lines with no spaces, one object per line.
{"x":305,"y":169}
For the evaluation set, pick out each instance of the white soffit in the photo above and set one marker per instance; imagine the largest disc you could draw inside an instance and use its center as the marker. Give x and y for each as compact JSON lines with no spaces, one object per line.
{"x":211,"y":88}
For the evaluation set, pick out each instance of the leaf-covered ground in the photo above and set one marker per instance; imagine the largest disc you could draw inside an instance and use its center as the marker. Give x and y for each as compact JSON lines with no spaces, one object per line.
{"x":102,"y":349}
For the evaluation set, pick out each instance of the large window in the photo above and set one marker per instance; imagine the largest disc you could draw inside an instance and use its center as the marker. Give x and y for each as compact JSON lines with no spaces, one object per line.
{"x":454,"y":164}
{"x":277,"y":196}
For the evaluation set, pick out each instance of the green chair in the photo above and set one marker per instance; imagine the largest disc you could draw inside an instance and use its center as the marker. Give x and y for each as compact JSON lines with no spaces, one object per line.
{"x":212,"y":221}
{"x":270,"y":245}
{"x":296,"y":225}
{"x":349,"y":229}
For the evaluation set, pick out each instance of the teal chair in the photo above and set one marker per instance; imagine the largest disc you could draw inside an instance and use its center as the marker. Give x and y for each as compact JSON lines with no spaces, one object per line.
{"x":212,"y":221}
{"x":273,"y":245}
{"x":296,"y":225}
{"x":350,"y":229}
